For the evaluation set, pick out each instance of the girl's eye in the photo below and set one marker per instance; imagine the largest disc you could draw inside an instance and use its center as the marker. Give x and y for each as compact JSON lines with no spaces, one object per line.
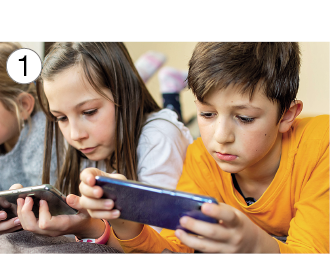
{"x":245,"y":119}
{"x":206,"y":115}
{"x":90,"y":112}
{"x":61,"y":119}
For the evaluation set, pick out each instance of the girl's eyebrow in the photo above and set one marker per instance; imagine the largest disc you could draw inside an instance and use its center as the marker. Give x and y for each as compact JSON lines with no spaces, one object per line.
{"x":77,"y":106}
{"x":84,"y":102}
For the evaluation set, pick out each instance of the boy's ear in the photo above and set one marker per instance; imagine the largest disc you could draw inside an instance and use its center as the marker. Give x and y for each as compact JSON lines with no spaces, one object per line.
{"x":26,"y":102}
{"x":289,"y":116}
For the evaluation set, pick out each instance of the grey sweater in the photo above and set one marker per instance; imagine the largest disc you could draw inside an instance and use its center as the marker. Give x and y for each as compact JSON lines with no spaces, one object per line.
{"x":23,"y":164}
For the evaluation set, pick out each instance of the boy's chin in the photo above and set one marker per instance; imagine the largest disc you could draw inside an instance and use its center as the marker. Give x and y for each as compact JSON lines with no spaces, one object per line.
{"x":229,"y":168}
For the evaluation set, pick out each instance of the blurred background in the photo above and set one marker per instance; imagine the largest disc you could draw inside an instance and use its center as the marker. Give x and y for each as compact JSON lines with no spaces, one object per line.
{"x":314,"y":74}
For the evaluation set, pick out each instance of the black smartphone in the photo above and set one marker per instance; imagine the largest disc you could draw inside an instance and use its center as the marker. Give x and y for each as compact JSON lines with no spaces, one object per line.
{"x":153,"y":205}
{"x":55,"y":199}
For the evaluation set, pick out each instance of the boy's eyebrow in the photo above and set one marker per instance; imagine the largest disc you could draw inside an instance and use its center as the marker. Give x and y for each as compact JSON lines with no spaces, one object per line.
{"x":244,"y":106}
{"x":77,"y":106}
{"x":204,"y":103}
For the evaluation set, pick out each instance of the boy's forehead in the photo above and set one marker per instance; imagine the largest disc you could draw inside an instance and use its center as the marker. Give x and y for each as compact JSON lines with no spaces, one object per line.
{"x":234,"y":97}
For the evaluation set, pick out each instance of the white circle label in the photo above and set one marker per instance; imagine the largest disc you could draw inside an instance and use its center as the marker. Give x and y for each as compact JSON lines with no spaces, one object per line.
{"x":24,"y":66}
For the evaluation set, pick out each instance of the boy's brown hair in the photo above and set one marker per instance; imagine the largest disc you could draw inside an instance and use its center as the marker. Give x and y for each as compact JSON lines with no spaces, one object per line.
{"x":272,"y":66}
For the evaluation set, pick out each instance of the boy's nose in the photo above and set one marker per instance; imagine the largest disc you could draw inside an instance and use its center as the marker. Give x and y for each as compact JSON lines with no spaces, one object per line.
{"x":224,"y":132}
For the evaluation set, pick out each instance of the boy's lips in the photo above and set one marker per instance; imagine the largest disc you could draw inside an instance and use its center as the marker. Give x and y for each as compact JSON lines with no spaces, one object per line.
{"x":226,"y":156}
{"x":88,"y":150}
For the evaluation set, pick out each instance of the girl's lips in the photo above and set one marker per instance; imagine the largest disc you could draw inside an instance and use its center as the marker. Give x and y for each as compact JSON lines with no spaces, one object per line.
{"x":88,"y":150}
{"x":226,"y":157}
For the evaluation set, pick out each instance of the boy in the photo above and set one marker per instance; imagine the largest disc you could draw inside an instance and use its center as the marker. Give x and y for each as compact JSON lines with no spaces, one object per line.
{"x":268,"y":170}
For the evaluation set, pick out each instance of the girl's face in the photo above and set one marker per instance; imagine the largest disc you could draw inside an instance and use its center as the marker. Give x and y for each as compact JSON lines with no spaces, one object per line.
{"x":9,"y":131}
{"x":86,"y":119}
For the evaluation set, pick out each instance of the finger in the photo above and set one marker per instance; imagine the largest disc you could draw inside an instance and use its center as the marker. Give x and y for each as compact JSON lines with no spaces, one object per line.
{"x":96,"y":204}
{"x":88,"y":175}
{"x":209,"y":230}
{"x":20,"y":203}
{"x":227,"y":215}
{"x":199,"y":243}
{"x":108,"y":215}
{"x":15,"y":186}
{"x":10,"y":225}
{"x":89,"y":191}
{"x":118,"y":176}
{"x":3,"y":215}
{"x":74,"y":201}
{"x":44,"y":214}
{"x":47,"y":222}
{"x":26,"y":215}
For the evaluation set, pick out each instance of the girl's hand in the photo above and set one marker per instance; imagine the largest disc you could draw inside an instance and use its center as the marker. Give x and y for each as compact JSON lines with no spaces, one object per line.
{"x":91,"y":195}
{"x":13,"y":224}
{"x":103,"y":208}
{"x":235,"y":232}
{"x":80,"y":224}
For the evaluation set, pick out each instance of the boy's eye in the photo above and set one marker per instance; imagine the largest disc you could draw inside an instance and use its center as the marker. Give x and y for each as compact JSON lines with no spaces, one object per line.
{"x":90,"y":112}
{"x":206,"y":115}
{"x":245,"y":119}
{"x":61,"y":119}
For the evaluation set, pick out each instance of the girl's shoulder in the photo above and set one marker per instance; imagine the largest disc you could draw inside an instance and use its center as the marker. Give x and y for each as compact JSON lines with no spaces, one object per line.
{"x":165,"y":123}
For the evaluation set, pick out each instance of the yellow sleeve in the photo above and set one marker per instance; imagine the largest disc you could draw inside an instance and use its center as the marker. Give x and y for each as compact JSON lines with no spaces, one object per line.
{"x":309,"y":229}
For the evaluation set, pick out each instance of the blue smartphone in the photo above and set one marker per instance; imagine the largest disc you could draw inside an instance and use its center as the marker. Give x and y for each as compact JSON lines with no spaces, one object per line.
{"x":153,"y":205}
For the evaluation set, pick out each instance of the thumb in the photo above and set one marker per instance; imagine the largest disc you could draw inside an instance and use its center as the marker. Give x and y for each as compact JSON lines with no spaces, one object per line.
{"x":73,"y":201}
{"x":15,"y":186}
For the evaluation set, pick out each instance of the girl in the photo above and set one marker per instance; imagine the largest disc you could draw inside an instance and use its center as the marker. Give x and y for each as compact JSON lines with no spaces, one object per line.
{"x":93,"y":93}
{"x":22,"y":129}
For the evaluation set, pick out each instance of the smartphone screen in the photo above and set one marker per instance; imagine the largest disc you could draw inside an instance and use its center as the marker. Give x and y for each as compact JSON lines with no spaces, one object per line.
{"x":55,"y":199}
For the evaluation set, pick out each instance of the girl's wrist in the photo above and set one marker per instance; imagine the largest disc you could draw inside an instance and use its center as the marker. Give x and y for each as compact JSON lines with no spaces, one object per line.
{"x":93,"y":228}
{"x":103,"y":239}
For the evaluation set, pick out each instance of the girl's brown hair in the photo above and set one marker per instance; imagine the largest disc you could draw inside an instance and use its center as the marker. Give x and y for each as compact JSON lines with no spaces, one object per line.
{"x":105,"y":64}
{"x":9,"y":89}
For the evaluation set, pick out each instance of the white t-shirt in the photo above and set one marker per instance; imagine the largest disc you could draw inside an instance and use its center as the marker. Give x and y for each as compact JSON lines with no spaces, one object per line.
{"x":161,"y":150}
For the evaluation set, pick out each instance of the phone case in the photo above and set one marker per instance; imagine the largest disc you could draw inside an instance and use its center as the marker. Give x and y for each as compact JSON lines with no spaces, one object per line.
{"x":55,"y":199}
{"x":153,"y":205}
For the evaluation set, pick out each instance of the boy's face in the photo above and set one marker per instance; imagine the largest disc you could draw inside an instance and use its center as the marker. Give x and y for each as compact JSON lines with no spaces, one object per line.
{"x":239,"y":133}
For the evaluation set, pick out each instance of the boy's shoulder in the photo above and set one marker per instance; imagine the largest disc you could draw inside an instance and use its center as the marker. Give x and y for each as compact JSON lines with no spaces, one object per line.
{"x":311,"y":127}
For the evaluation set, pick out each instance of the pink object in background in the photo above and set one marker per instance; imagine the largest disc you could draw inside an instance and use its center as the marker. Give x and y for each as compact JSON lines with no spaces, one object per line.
{"x":172,"y":80}
{"x":149,"y":63}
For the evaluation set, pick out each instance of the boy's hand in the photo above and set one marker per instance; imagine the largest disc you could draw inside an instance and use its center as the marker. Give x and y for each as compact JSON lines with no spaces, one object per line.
{"x":79,"y":224}
{"x":91,"y":195}
{"x":235,"y":232}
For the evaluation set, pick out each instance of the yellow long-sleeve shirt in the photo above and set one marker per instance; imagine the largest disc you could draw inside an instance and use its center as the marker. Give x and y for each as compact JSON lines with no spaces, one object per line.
{"x":296,"y":203}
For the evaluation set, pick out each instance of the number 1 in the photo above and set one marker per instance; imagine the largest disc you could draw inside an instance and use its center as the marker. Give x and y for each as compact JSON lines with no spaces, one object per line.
{"x":24,"y":59}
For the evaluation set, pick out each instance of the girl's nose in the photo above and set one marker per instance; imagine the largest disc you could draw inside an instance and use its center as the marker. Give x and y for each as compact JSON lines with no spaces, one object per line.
{"x":78,"y":132}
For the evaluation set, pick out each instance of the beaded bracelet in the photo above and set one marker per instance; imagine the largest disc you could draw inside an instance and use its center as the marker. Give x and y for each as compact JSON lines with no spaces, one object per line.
{"x":103,"y":239}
